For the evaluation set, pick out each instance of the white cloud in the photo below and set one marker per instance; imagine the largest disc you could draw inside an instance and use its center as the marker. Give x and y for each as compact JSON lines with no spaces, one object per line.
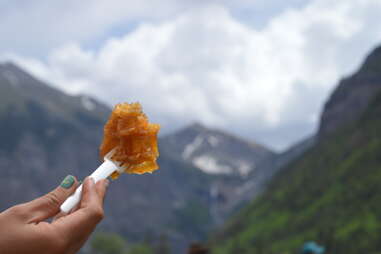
{"x":205,"y":65}
{"x":32,"y":28}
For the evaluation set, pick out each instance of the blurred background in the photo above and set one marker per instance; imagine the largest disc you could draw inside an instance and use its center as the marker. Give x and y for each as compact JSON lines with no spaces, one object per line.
{"x":270,"y":115}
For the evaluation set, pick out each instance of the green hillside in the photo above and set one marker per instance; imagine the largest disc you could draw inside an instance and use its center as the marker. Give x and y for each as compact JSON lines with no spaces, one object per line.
{"x":331,"y":195}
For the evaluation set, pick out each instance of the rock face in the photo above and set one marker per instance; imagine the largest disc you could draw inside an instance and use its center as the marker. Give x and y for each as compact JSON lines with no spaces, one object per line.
{"x":352,"y":95}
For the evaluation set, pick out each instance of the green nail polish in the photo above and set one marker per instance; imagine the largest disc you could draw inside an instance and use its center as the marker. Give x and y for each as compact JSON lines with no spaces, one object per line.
{"x":68,"y":182}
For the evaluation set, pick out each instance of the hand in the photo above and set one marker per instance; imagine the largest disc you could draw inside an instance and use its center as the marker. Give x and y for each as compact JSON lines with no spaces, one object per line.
{"x":23,"y":228}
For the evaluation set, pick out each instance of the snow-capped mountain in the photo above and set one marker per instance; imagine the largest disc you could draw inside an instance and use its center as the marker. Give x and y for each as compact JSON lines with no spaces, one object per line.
{"x":216,"y":152}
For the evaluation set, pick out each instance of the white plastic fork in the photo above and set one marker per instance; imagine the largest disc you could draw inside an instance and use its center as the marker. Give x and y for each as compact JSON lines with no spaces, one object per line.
{"x":102,"y":172}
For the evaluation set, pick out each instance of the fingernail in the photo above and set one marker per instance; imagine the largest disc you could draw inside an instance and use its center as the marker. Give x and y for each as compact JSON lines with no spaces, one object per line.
{"x":68,"y":182}
{"x":107,"y":183}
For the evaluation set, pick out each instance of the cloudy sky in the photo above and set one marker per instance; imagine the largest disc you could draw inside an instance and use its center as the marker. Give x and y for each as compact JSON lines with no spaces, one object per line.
{"x":261,"y":69}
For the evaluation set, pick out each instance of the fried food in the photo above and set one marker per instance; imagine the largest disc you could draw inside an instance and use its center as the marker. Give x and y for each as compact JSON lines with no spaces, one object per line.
{"x":133,"y":137}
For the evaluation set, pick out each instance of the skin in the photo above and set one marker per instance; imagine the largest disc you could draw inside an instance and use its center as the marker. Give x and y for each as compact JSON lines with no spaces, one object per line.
{"x":25,"y":229}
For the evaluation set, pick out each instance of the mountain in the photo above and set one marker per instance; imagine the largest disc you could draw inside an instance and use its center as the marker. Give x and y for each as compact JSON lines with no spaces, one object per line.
{"x":331,"y":194}
{"x":215,"y":151}
{"x":46,"y":134}
{"x":239,"y":170}
{"x":226,"y":159}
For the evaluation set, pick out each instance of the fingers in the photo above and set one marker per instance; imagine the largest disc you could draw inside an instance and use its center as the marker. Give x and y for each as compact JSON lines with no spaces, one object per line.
{"x":49,"y":205}
{"x":89,"y":194}
{"x":101,"y":188}
{"x":79,"y":224}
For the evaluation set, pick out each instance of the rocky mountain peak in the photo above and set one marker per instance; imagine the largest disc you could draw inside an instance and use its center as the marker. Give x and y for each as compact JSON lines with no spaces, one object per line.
{"x":353,"y":95}
{"x":215,"y":151}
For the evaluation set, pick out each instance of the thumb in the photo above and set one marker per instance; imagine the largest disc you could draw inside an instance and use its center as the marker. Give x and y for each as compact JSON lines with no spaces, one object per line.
{"x":49,"y":205}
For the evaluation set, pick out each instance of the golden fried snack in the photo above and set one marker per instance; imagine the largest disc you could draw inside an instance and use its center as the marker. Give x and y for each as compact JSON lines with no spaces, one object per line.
{"x":133,"y":137}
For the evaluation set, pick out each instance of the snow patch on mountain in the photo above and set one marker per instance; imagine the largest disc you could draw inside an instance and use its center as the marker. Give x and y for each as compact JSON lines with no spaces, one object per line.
{"x":210,"y":165}
{"x":192,"y":147}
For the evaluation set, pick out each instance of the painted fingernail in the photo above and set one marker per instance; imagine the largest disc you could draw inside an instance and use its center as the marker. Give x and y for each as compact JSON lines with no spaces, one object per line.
{"x":68,"y":182}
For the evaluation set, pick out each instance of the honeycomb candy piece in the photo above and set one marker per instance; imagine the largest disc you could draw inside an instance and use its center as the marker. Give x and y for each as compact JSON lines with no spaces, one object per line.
{"x":133,"y":137}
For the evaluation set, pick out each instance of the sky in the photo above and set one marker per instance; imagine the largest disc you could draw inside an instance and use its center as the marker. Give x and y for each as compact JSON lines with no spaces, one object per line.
{"x":257,"y":68}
